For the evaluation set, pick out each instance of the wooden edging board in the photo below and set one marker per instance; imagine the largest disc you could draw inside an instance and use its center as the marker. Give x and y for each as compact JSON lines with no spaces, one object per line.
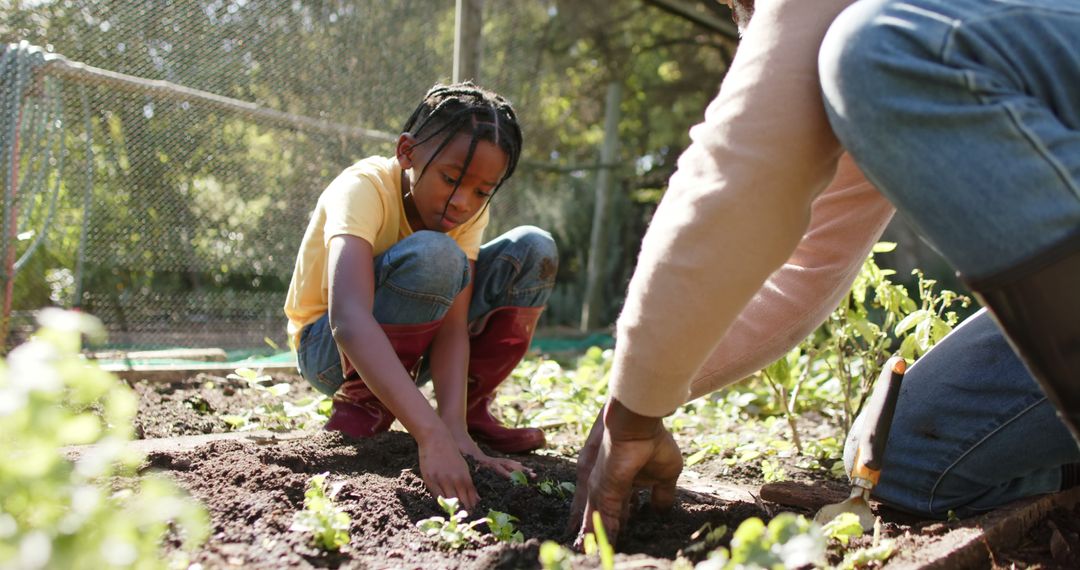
{"x":189,"y":442}
{"x":970,"y":545}
{"x":169,"y":373}
{"x":966,"y":544}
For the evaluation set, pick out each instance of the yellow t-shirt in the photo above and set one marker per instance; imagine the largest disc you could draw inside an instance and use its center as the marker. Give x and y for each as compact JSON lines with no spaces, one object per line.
{"x":364,"y":201}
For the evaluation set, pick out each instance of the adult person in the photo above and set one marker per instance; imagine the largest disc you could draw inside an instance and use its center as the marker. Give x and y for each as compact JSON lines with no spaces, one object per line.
{"x":760,"y":234}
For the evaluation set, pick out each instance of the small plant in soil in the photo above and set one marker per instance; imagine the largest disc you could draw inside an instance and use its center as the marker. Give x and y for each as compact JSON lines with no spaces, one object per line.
{"x":597,"y":542}
{"x":704,"y":540}
{"x":562,"y":490}
{"x":554,"y":397}
{"x":787,"y":541}
{"x":519,"y":479}
{"x":275,"y":413}
{"x":502,"y":527}
{"x":846,"y":527}
{"x":327,"y":523}
{"x":554,"y":556}
{"x":452,"y":531}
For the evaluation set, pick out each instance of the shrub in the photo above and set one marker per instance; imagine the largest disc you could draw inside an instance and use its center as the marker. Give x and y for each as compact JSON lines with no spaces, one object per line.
{"x":93,"y":512}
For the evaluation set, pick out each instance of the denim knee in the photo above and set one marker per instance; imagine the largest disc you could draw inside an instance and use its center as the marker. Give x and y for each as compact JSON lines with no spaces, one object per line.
{"x":538,"y":255}
{"x":537,"y":245}
{"x":426,"y":265}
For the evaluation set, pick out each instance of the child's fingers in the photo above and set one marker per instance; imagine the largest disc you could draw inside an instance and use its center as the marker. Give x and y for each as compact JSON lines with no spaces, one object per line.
{"x":469,"y":496}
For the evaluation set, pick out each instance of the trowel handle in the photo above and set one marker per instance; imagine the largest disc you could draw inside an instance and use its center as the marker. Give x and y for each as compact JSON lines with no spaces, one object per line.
{"x":878,"y":419}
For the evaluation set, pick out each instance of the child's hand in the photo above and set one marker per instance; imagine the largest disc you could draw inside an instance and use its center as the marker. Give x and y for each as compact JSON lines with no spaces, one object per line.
{"x":501,"y":465}
{"x":446,"y":474}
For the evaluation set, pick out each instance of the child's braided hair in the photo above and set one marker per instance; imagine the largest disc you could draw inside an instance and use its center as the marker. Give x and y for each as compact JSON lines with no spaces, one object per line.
{"x":467,"y":108}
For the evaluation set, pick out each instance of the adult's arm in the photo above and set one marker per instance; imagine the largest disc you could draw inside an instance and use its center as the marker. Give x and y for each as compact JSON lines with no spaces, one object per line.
{"x":735,"y":210}
{"x":845,"y":222}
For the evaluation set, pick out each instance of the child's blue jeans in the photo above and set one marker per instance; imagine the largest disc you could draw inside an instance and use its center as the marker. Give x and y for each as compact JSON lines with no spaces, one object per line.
{"x":966,"y":115}
{"x":417,"y":279}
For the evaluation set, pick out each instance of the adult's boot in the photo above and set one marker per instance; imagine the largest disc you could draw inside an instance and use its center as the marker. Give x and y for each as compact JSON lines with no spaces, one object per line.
{"x":357,"y":412}
{"x":1037,"y":305}
{"x":493,"y":353}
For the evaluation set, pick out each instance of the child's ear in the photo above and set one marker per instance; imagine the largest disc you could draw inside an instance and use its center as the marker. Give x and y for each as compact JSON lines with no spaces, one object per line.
{"x":405,"y":145}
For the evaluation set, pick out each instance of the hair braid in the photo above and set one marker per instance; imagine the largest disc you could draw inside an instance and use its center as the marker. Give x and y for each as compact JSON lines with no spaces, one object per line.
{"x":449,"y":110}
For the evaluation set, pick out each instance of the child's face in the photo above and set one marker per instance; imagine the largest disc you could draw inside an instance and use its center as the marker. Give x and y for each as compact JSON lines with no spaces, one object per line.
{"x":437,"y":206}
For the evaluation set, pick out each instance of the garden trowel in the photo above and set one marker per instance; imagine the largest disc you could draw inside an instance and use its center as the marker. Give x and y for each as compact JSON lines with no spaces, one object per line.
{"x":871,"y":447}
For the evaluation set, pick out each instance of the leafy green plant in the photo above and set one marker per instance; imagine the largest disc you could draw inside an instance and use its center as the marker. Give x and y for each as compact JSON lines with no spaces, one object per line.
{"x":562,"y":490}
{"x":931,"y":321}
{"x":788,"y":541}
{"x":94,"y":512}
{"x":843,"y":528}
{"x":854,"y":346}
{"x":834,"y":369}
{"x":453,"y":530}
{"x":785,"y":377}
{"x":275,"y":413}
{"x":772,"y":471}
{"x":327,"y":523}
{"x":551,"y":396}
{"x":502,"y":527}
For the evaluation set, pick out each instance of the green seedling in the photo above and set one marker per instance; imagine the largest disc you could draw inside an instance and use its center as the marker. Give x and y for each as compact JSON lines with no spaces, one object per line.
{"x":789,"y":541}
{"x":879,"y":551}
{"x":772,"y":471}
{"x":327,"y":523}
{"x":554,"y":556}
{"x":452,"y":531}
{"x":703,"y":540}
{"x":552,"y":396}
{"x":793,"y":541}
{"x":519,"y":479}
{"x":274,"y":413}
{"x":596,"y":542}
{"x":502,"y":527}
{"x":843,"y":528}
{"x":556,"y":489}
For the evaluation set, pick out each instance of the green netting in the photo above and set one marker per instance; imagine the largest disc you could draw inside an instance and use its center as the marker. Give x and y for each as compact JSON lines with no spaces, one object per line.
{"x":160,"y":158}
{"x":262,"y":358}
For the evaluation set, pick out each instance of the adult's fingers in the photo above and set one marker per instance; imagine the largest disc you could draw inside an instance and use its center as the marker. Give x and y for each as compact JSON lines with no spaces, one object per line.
{"x":612,"y":521}
{"x":663,"y":473}
{"x":663,"y":496}
{"x":586,"y":461}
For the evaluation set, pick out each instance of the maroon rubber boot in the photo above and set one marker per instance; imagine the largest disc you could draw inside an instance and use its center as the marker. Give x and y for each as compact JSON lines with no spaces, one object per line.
{"x":357,"y":412}
{"x":493,"y":354}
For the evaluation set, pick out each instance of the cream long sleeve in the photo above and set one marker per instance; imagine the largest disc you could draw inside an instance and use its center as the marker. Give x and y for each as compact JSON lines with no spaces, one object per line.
{"x":736,"y":208}
{"x":845,"y":222}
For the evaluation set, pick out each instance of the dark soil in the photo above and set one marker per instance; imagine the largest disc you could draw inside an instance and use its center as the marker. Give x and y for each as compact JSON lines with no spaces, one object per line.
{"x":252,"y":491}
{"x":195,"y":406}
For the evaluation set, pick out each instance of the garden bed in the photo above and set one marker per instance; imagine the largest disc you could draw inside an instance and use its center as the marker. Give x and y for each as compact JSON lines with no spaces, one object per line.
{"x":253,"y":483}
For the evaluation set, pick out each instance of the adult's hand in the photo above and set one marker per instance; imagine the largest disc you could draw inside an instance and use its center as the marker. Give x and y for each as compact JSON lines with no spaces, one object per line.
{"x":634,"y":451}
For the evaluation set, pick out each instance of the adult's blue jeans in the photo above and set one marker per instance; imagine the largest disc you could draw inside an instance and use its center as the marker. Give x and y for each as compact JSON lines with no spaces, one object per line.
{"x":417,"y":279}
{"x":965,"y":114}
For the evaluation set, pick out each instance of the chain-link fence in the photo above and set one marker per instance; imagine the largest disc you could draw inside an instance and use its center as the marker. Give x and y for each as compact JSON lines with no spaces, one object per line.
{"x":160,"y":158}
